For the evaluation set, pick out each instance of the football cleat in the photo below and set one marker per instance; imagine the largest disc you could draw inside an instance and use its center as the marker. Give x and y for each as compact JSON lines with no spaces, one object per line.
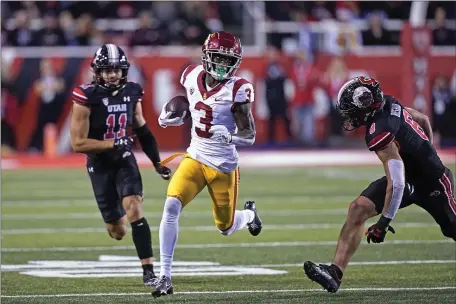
{"x":163,"y":287}
{"x":149,"y":278}
{"x":323,"y":275}
{"x":256,"y":225}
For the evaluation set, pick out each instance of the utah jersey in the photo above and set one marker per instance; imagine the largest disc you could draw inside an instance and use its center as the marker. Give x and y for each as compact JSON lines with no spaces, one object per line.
{"x":110,"y":112}
{"x":213,"y":107}
{"x":394,"y":123}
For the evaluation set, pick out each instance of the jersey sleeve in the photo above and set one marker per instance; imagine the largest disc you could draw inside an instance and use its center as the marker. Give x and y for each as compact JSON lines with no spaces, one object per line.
{"x":243,"y":91}
{"x":186,"y":72}
{"x":381,"y":132}
{"x":137,"y":91}
{"x":80,"y":97}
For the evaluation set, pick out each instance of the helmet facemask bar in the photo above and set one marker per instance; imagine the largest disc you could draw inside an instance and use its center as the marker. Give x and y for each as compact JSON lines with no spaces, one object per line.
{"x":220,"y":70}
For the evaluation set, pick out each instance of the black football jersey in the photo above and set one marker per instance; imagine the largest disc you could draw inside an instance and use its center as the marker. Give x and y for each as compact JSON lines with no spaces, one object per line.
{"x":111,"y":112}
{"x":394,"y":123}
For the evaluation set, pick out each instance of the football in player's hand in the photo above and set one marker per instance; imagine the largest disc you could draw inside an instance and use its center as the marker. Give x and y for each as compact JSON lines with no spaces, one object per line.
{"x":177,"y":106}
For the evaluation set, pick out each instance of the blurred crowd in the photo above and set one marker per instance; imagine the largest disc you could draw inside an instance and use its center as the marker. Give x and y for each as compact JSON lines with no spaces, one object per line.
{"x":59,"y":23}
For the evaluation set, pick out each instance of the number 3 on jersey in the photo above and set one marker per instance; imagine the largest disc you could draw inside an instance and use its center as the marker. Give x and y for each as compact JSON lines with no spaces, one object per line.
{"x":409,"y":119}
{"x":111,"y":124}
{"x":205,"y":120}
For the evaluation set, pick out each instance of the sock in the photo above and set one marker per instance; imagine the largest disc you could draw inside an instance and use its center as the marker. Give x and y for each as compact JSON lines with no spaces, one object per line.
{"x":339,"y":272}
{"x":147,"y":268}
{"x":169,"y":229}
{"x":142,"y":238}
{"x":241,"y":219}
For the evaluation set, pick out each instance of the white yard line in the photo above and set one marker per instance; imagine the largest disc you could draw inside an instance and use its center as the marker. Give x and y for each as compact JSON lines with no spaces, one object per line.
{"x":367,"y":263}
{"x":197,"y":228}
{"x":364,"y":289}
{"x":193,"y":214}
{"x":224,"y":245}
{"x":267,"y":199}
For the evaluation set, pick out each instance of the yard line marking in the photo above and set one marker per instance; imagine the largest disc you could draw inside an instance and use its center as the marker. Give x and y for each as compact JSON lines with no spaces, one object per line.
{"x":197,"y":228}
{"x":367,"y":263}
{"x":362,"y":289}
{"x":268,"y":198}
{"x":226,"y":245}
{"x":197,"y":214}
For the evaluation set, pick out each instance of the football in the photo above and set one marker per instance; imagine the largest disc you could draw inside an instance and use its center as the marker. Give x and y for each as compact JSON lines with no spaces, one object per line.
{"x":178,"y":105}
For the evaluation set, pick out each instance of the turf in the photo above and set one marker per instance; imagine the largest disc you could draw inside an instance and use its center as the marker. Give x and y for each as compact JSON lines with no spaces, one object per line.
{"x":51,"y":215}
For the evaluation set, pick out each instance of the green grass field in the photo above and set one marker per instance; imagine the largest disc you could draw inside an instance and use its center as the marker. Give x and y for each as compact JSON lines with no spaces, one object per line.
{"x":52,"y":216}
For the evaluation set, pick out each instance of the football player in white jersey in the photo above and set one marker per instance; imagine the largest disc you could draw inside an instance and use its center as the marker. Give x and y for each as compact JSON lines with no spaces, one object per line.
{"x":220,"y":107}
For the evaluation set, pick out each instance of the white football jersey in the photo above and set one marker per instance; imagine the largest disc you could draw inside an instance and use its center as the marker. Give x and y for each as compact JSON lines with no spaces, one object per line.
{"x":210,"y":108}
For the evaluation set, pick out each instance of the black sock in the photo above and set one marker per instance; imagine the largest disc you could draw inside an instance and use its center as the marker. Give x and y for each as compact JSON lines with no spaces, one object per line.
{"x":339,"y":272}
{"x":147,"y":268}
{"x":142,"y":238}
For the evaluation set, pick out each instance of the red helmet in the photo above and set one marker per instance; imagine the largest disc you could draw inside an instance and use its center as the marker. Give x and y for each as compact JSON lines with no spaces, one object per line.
{"x":222,"y":55}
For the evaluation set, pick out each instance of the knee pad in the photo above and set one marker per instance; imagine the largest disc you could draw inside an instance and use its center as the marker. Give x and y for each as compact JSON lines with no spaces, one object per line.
{"x":172,"y":208}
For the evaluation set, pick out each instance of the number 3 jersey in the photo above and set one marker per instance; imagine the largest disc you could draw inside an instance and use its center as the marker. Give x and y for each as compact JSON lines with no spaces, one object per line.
{"x":111,"y":112}
{"x":213,"y":107}
{"x":395,"y":124}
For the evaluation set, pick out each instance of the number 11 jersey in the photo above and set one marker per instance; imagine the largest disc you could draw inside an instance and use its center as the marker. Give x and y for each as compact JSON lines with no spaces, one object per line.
{"x":213,"y":107}
{"x":394,"y":124}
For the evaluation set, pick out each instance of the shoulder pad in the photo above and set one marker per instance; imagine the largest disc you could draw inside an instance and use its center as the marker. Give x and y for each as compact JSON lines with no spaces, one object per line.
{"x":243,"y":91}
{"x":383,"y":129}
{"x":82,"y":94}
{"x":187,"y":71}
{"x":135,"y":89}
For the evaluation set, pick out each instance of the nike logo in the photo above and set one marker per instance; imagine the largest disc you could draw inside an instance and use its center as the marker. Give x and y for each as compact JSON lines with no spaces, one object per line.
{"x":218,"y":98}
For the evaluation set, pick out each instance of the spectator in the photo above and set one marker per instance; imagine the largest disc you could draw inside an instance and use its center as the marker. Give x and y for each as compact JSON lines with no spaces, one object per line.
{"x":84,"y":29}
{"x":304,"y":78}
{"x":275,"y":94}
{"x":195,"y":31}
{"x":442,"y":35}
{"x":9,"y":111}
{"x":150,"y":31}
{"x":441,"y":97}
{"x":49,"y":88}
{"x":50,"y":34}
{"x":306,"y":38}
{"x":377,"y":34}
{"x":21,"y":35}
{"x":335,"y":76}
{"x":342,"y":36}
{"x":68,"y":27}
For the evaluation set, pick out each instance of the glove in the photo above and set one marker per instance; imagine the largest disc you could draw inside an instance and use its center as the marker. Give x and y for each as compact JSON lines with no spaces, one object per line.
{"x":123,"y":144}
{"x":221,"y":134}
{"x":163,"y":171}
{"x":164,"y":119}
{"x":377,"y":232}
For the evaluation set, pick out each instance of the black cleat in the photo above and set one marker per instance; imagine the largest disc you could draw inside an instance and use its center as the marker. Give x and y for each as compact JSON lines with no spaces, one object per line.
{"x":163,"y":287}
{"x":149,"y":278}
{"x":323,"y":275}
{"x":256,"y":225}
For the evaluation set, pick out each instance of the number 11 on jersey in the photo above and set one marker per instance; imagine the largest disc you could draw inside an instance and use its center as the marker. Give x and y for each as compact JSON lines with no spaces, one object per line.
{"x":111,"y":124}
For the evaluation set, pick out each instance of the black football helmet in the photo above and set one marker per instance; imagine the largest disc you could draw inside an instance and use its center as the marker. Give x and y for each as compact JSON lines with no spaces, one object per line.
{"x":110,"y":56}
{"x":358,"y":101}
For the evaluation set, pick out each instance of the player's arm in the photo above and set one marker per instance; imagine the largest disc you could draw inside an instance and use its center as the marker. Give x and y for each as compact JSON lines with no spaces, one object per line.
{"x":79,"y":130}
{"x":245,"y":136}
{"x":395,"y":174}
{"x":145,"y":136}
{"x":424,"y":121}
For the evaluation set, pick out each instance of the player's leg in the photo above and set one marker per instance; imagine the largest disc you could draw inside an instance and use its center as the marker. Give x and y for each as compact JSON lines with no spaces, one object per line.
{"x":186,"y":183}
{"x":368,"y":204}
{"x":440,"y":203}
{"x":129,"y":187}
{"x":108,"y":201}
{"x":224,"y":189}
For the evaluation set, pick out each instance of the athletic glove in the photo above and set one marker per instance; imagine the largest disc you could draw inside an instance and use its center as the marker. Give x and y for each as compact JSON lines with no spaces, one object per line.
{"x":123,"y":144}
{"x":377,"y":232}
{"x":221,"y":134}
{"x":163,"y":171}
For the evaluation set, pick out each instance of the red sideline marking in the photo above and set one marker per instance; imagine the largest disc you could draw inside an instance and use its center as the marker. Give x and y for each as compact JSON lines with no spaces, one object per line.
{"x":257,"y":159}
